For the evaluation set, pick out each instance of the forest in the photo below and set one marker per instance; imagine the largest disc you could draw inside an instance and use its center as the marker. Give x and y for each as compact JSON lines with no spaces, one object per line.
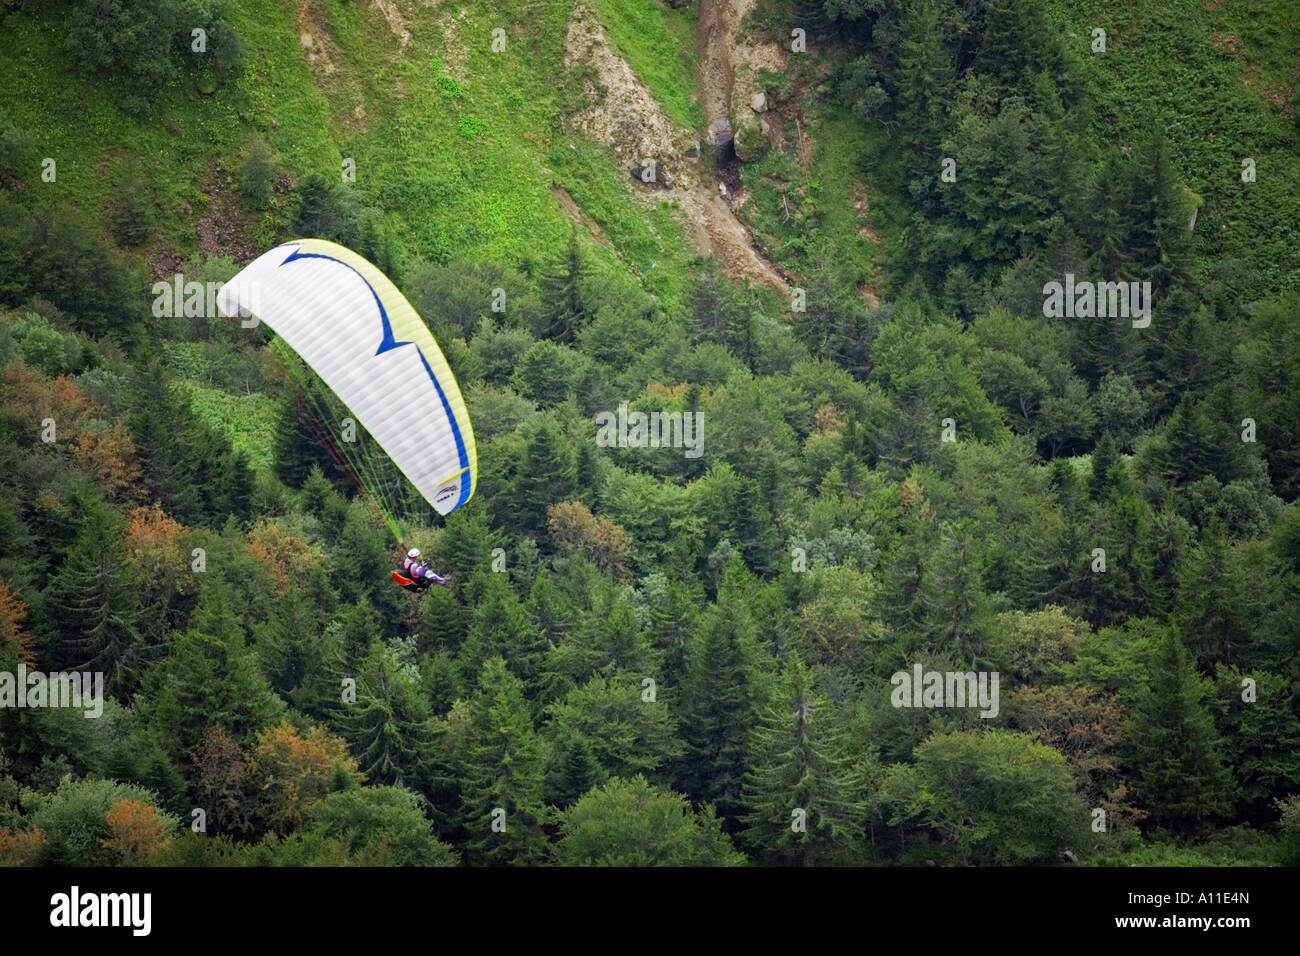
{"x":647,"y":656}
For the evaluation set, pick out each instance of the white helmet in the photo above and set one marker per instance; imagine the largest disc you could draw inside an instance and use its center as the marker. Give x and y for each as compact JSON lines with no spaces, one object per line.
{"x":413,"y":553}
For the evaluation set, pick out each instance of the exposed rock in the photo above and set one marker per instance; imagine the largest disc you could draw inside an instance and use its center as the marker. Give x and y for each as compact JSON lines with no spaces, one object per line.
{"x":621,"y":112}
{"x":627,"y":117}
{"x":720,"y":135}
{"x":729,"y":64}
{"x":758,"y":101}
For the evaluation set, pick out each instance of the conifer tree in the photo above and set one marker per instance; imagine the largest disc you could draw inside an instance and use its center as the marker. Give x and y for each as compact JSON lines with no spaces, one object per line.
{"x":1104,"y":457}
{"x":572,"y":770}
{"x":545,"y":475}
{"x":500,"y":627}
{"x":628,"y":733}
{"x":719,"y":697}
{"x":621,"y":643}
{"x":1157,"y":239}
{"x":387,"y":727}
{"x":210,"y":679}
{"x":1178,"y":776}
{"x":805,"y":794}
{"x":924,"y":76}
{"x":504,"y":770}
{"x":92,"y":602}
{"x":564,"y":312}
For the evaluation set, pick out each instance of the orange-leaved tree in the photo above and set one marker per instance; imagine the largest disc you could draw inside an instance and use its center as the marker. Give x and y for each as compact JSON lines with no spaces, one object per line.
{"x":138,"y":831}
{"x":20,"y":847}
{"x":108,"y":458}
{"x":575,"y":530}
{"x":157,"y":552}
{"x":15,"y":645}
{"x":291,"y":771}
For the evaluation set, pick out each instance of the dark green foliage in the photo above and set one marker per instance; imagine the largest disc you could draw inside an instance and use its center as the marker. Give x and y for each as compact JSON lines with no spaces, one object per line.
{"x":806,"y":794}
{"x":564,"y":311}
{"x":58,"y":254}
{"x":133,"y":219}
{"x":17,"y":155}
{"x":545,"y":475}
{"x":720,"y":699}
{"x":499,"y":627}
{"x":256,"y":174}
{"x":503,"y":774}
{"x":146,"y":43}
{"x":1179,"y":777}
{"x":387,"y":727}
{"x":572,"y":770}
{"x":190,"y":469}
{"x":209,"y":679}
{"x":326,"y":210}
{"x":91,"y":603}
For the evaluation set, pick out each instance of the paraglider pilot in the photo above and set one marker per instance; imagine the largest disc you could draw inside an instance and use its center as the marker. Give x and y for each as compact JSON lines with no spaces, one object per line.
{"x":418,"y":572}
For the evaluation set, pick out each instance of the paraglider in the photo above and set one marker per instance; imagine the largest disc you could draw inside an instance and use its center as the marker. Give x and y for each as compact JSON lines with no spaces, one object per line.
{"x":416,"y":573}
{"x":351,"y":326}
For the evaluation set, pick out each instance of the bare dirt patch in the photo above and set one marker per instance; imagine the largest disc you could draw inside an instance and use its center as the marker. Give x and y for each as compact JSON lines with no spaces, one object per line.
{"x":396,"y":22}
{"x":574,"y":212}
{"x":315,"y":40}
{"x":624,"y":116}
{"x":729,"y":63}
{"x":225,"y":228}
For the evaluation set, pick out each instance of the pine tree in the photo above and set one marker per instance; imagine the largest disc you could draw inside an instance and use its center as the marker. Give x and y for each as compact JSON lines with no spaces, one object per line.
{"x":1178,"y":776}
{"x":955,"y":606}
{"x":326,"y":211}
{"x":1199,"y":440}
{"x":802,"y":762}
{"x":194,"y":472}
{"x":572,"y":770}
{"x":256,"y":173}
{"x":628,"y":733}
{"x":210,"y":679}
{"x":1157,"y":239}
{"x":719,"y":698}
{"x":93,"y":601}
{"x":564,"y":312}
{"x":672,"y":621}
{"x":924,"y":76}
{"x":387,"y":727}
{"x":623,"y":647}
{"x":1123,"y":530}
{"x":1219,"y":603}
{"x":707,"y":308}
{"x":548,"y":610}
{"x":1105,"y":456}
{"x":501,"y":628}
{"x":1017,"y":43}
{"x":503,"y":774}
{"x":545,"y":476}
{"x":133,"y":219}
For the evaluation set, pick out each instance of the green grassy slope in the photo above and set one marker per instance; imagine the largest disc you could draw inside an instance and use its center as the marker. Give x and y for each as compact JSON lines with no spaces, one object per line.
{"x":459,"y":144}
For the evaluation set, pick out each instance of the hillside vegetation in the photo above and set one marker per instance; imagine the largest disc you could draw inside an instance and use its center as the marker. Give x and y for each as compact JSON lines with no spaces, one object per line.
{"x":683,"y":655}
